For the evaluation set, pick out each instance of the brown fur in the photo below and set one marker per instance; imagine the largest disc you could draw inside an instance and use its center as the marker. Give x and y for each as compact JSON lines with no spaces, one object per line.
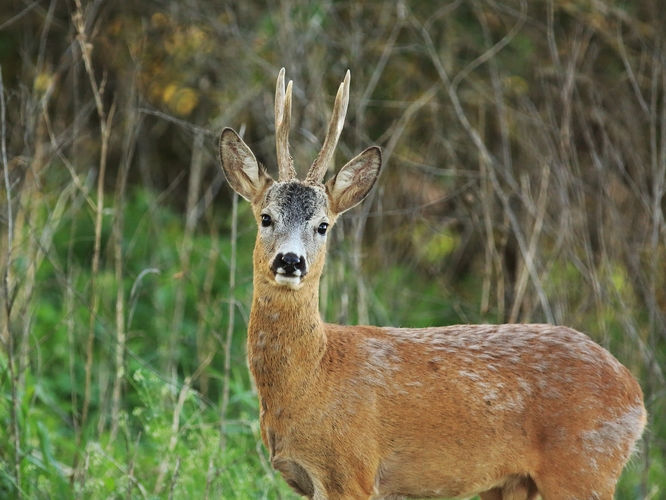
{"x":508,"y":412}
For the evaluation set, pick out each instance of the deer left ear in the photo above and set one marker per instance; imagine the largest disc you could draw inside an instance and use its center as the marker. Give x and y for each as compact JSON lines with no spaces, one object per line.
{"x":354,"y":181}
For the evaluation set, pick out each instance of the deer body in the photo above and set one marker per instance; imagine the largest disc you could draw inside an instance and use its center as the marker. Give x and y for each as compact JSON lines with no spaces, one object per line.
{"x":360,"y":412}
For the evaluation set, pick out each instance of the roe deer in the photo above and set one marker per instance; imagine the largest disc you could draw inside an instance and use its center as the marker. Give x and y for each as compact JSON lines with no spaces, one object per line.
{"x":358,"y":412}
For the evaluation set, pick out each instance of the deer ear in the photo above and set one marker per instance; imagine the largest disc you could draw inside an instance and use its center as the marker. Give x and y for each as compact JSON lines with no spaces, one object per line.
{"x":240,"y":167}
{"x":353,"y":182}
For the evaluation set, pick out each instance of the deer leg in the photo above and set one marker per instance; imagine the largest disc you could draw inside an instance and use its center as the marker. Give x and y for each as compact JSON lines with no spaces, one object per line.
{"x":564,"y":488}
{"x":518,"y":488}
{"x":494,"y":494}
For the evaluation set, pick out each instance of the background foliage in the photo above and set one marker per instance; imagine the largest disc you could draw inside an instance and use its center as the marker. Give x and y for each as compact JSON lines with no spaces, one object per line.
{"x":524,"y":180}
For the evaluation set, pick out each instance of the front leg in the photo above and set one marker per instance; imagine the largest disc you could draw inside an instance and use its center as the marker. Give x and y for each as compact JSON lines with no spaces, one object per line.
{"x":344,"y":482}
{"x":350,"y":495}
{"x":323,"y":485}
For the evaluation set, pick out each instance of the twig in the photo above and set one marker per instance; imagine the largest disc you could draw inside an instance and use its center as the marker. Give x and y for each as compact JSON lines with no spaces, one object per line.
{"x":5,"y":169}
{"x":8,"y":334}
{"x":230,"y":323}
{"x":206,"y":346}
{"x":630,"y":72}
{"x":521,"y":282}
{"x":105,"y":121}
{"x":173,"y":440}
{"x":18,"y":16}
{"x":131,"y":480}
{"x":129,"y":142}
{"x":194,"y":187}
{"x":174,"y":478}
{"x":133,"y":298}
{"x":209,"y":477}
{"x":550,"y":30}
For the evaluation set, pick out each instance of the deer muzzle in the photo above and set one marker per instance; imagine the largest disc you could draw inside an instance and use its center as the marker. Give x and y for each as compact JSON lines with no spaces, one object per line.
{"x":289,"y":269}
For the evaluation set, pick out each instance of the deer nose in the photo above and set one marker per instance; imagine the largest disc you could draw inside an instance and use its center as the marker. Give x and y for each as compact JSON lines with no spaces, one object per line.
{"x":289,"y":263}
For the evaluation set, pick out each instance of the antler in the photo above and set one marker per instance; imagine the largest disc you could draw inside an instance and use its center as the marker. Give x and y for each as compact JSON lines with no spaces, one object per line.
{"x":282,"y":121}
{"x":321,"y":163}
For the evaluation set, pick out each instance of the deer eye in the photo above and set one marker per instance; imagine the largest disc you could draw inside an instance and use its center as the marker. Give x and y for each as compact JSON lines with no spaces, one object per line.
{"x":322,"y":228}
{"x":266,"y":220}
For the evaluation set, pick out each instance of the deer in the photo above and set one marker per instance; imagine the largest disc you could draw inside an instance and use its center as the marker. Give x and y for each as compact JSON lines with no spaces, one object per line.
{"x":506,"y":412}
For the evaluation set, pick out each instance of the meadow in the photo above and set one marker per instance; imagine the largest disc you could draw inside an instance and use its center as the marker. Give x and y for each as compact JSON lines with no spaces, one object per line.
{"x":524,"y":180}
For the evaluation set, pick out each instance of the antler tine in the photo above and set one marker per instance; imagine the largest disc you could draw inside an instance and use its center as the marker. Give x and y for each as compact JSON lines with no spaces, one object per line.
{"x":323,"y":160}
{"x":282,"y":122}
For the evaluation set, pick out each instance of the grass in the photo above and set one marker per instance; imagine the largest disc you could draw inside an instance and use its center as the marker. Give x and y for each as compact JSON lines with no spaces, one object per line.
{"x":523,"y":181}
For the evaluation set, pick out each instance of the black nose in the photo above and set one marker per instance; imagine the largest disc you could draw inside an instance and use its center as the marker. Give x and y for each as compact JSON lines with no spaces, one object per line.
{"x":289,"y":262}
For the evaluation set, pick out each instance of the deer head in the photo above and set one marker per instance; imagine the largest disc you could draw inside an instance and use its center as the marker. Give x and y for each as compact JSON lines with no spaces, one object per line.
{"x":294,"y":216}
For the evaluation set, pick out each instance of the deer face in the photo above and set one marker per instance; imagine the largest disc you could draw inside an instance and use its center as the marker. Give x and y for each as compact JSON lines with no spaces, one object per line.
{"x":293,"y":224}
{"x":294,"y":216}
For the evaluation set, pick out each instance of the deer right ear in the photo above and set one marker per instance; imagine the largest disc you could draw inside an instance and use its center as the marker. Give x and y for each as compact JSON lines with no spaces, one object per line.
{"x":240,"y":167}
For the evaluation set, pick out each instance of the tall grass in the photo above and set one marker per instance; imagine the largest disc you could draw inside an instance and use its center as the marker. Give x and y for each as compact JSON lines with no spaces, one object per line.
{"x":524,"y":180}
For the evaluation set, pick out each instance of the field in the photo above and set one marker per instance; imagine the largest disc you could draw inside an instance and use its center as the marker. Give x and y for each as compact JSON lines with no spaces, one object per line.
{"x":524,"y":180}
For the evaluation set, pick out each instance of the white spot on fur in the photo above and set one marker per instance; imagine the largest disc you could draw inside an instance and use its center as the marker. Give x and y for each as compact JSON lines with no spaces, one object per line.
{"x":382,"y":360}
{"x":471,"y":375}
{"x":524,"y":385}
{"x":613,"y":436}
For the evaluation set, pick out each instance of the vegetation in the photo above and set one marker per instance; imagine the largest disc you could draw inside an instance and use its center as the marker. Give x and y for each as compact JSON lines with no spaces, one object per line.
{"x":524,"y":181}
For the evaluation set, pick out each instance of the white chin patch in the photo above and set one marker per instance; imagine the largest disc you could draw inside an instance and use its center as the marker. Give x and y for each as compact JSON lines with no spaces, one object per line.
{"x":288,"y":281}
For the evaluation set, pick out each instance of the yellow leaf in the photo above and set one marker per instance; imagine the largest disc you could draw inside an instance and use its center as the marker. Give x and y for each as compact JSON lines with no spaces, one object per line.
{"x":169,"y":92}
{"x":42,"y":82}
{"x":159,"y":20}
{"x":184,"y":101}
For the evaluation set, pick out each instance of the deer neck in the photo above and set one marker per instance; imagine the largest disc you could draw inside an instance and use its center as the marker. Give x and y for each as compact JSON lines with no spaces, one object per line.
{"x":286,"y":337}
